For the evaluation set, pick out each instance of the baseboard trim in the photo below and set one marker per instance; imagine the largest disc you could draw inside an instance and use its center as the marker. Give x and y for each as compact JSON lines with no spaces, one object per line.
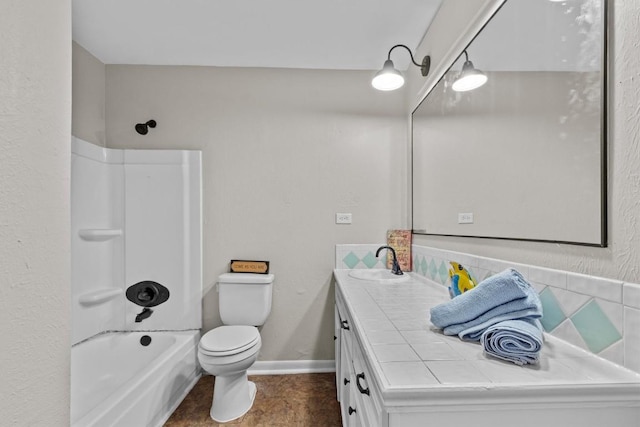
{"x":284,"y":367}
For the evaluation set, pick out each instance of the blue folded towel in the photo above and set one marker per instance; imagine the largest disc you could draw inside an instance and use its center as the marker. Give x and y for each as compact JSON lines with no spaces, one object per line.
{"x":504,"y":296}
{"x":517,"y":341}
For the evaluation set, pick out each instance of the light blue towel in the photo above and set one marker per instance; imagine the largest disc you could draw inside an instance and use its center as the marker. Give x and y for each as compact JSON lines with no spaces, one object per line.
{"x":517,"y":341}
{"x":504,"y":296}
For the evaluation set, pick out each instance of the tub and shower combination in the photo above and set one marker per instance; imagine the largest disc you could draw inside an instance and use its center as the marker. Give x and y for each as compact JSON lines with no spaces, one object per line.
{"x":135,"y":224}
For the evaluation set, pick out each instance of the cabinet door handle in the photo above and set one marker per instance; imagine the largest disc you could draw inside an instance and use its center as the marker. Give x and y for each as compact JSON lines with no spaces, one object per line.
{"x":346,"y":381}
{"x":351,"y":410}
{"x":360,"y":388}
{"x":345,"y":325}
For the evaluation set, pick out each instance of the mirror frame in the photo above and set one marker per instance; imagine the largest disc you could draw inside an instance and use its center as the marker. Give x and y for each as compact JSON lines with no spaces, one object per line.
{"x":604,"y":133}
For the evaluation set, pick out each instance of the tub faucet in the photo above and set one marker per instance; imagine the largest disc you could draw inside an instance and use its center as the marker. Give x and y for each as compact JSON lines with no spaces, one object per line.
{"x":395,"y":267}
{"x":146,"y":312}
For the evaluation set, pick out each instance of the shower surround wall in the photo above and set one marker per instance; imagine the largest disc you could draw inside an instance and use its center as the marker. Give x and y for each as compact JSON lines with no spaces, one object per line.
{"x":135,"y":217}
{"x":144,"y":204}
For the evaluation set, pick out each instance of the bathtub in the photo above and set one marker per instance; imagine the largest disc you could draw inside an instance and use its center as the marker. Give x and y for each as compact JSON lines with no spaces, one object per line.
{"x":117,"y":381}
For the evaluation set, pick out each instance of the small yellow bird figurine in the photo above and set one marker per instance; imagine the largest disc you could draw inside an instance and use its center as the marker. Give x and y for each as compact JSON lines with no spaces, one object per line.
{"x":461,"y":280}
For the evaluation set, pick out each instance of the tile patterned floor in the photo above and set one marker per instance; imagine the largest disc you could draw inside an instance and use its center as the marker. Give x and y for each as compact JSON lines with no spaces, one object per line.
{"x":281,"y":400}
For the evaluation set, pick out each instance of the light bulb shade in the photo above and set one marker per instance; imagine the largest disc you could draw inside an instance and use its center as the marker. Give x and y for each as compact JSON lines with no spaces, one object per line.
{"x":388,"y":78}
{"x":469,"y":78}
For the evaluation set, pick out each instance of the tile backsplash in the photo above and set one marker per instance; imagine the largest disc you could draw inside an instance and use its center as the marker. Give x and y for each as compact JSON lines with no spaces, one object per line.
{"x":597,"y":314}
{"x":360,"y":256}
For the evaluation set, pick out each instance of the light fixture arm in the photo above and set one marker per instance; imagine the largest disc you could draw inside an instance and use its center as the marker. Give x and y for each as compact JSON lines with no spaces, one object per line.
{"x":466,"y":56}
{"x":426,"y":61}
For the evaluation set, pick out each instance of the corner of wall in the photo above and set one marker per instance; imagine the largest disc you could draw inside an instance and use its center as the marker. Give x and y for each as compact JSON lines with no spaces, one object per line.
{"x":88,"y":93}
{"x":452,"y":29}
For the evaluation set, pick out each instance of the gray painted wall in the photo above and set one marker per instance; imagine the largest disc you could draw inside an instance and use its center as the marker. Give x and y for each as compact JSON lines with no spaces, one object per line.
{"x":283,"y":151}
{"x":35,"y":134}
{"x":88,"y":94}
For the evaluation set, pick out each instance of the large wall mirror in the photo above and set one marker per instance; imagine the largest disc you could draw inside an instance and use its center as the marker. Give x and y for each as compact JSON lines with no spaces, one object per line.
{"x":522,"y":157}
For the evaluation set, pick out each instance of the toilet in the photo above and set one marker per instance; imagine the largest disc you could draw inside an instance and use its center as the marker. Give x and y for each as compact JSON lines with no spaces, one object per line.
{"x":228,"y":351}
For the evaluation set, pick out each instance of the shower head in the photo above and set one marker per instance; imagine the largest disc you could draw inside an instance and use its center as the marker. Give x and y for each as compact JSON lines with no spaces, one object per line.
{"x":143,"y":128}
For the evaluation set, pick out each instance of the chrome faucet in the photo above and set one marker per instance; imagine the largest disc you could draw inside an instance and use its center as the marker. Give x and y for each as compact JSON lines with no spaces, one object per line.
{"x":395,"y":267}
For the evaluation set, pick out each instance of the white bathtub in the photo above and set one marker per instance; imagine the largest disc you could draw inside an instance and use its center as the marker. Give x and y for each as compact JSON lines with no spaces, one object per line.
{"x":116,"y":381}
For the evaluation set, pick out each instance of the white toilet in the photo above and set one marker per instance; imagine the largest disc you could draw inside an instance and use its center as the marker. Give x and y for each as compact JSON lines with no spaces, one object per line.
{"x":228,"y":351}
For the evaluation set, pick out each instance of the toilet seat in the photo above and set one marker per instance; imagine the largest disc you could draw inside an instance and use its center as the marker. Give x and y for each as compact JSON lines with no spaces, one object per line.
{"x":229,"y":340}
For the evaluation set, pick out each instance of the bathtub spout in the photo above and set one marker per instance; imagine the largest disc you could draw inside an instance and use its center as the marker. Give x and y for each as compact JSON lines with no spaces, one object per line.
{"x":143,"y":314}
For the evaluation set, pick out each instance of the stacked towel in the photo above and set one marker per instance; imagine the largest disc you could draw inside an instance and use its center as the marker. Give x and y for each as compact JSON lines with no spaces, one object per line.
{"x":518,"y":341}
{"x":504,"y":296}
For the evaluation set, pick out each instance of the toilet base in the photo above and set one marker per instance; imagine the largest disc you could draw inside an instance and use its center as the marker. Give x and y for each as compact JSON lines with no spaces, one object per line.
{"x":233,"y":396}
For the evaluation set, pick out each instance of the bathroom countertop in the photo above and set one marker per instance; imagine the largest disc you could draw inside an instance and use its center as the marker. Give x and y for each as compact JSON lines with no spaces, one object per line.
{"x":414,"y":363}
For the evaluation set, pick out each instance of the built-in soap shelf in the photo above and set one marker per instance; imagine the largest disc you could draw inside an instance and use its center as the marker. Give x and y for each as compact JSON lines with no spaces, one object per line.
{"x":99,"y":296}
{"x":99,"y":234}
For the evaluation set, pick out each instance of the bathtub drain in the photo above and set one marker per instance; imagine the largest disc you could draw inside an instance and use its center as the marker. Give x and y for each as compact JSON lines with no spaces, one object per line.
{"x":145,"y":340}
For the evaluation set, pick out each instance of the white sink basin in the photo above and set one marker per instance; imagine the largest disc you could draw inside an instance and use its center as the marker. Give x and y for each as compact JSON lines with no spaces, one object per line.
{"x":378,"y":275}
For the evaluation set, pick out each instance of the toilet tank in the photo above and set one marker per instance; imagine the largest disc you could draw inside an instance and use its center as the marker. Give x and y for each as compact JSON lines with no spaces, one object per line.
{"x":245,"y":298}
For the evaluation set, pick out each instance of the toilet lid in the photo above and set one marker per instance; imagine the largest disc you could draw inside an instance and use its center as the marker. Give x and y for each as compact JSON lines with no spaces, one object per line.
{"x":228,"y":340}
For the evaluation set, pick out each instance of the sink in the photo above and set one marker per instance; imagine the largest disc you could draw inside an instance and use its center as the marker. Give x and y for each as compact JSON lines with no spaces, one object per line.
{"x":378,"y":275}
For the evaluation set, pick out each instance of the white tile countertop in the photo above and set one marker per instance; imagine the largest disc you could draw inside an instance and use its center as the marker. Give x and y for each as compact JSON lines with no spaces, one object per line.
{"x":414,"y":363}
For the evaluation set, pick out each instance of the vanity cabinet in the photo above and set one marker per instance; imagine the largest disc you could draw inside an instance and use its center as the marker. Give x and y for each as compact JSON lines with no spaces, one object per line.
{"x":337,"y":346}
{"x":359,"y":399}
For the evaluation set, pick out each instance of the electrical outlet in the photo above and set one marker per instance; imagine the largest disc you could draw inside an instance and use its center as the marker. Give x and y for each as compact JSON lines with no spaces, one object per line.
{"x":343,"y":218}
{"x":465,"y":218}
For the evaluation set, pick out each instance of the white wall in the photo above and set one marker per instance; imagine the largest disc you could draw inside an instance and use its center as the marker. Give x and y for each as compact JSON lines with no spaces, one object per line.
{"x":35,"y":131}
{"x":621,"y":259}
{"x":283,"y":151}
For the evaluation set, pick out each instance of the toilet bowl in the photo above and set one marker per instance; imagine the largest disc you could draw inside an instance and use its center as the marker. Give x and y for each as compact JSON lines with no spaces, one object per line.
{"x":227,"y":352}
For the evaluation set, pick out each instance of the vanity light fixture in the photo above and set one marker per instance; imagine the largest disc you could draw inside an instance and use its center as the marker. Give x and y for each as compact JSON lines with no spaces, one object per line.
{"x":469,"y":78}
{"x":388,"y":78}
